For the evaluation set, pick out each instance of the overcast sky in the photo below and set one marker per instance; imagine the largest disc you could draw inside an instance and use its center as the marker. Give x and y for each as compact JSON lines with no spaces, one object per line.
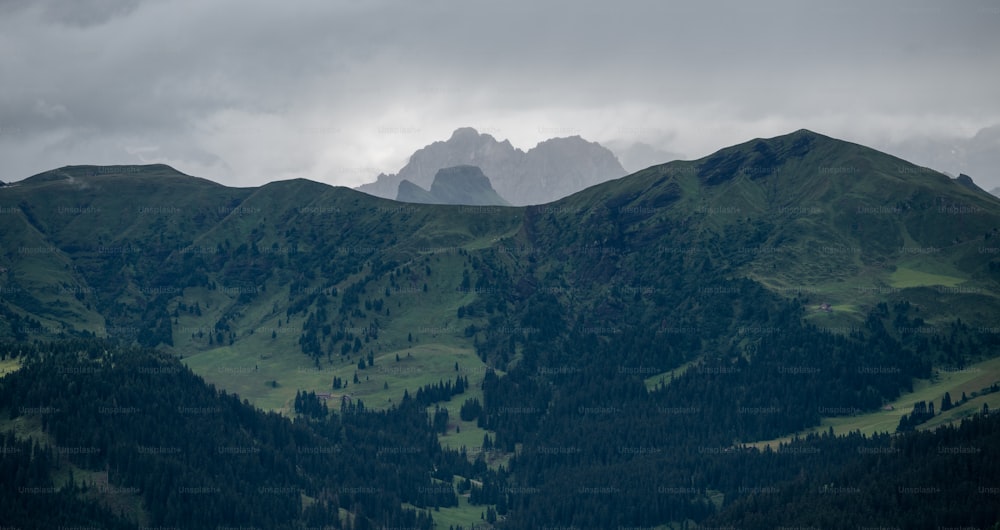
{"x":245,"y":92}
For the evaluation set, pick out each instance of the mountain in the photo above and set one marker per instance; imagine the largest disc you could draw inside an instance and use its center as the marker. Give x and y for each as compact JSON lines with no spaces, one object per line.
{"x":453,"y":185}
{"x":465,"y":146}
{"x":967,"y":181}
{"x":636,"y":156}
{"x":995,"y":192}
{"x":559,"y":167}
{"x":551,"y":170}
{"x":608,"y":359}
{"x":101,"y":249}
{"x":817,"y":213}
{"x":410,"y":192}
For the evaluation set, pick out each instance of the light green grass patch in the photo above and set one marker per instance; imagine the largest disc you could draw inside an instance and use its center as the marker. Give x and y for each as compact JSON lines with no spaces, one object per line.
{"x":654,"y":381}
{"x":465,"y":514}
{"x":9,"y":366}
{"x":422,"y":328}
{"x":973,"y":378}
{"x":904,"y":277}
{"x":468,"y":434}
{"x":24,"y":427}
{"x":248,"y":371}
{"x":958,"y":413}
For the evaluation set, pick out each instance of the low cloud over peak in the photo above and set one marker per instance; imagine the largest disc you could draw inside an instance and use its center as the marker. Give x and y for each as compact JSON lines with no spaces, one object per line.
{"x":340,"y":91}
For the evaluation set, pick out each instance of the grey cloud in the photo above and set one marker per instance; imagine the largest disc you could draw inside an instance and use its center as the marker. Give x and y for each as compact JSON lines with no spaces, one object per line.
{"x":327,"y":90}
{"x":977,"y":156}
{"x":79,"y":13}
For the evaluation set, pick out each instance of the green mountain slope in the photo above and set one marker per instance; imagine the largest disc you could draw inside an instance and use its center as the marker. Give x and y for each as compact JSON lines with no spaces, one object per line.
{"x":628,"y":330}
{"x":151,"y":255}
{"x":807,"y":214}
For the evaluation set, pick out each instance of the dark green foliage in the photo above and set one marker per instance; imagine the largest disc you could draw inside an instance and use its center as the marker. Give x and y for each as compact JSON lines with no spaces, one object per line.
{"x":470,"y":410}
{"x":29,"y":498}
{"x":946,"y":404}
{"x":162,"y":431}
{"x":883,"y":481}
{"x":308,"y":404}
{"x":439,"y":421}
{"x":441,"y":391}
{"x":922,"y":411}
{"x":720,"y":167}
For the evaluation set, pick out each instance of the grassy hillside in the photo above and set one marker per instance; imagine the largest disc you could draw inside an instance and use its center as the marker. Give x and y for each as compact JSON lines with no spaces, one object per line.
{"x":235,"y":278}
{"x":622,"y":342}
{"x":108,"y":250}
{"x":807,"y":215}
{"x":974,"y":381}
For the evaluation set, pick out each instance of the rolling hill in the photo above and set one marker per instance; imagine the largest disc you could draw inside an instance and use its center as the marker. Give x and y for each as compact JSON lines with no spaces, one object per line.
{"x":627,"y":330}
{"x":149,"y":254}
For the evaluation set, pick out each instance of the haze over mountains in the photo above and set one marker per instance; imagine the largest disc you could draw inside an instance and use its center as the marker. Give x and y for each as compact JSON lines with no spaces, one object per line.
{"x":549,"y":171}
{"x":453,"y":185}
{"x":609,"y":356}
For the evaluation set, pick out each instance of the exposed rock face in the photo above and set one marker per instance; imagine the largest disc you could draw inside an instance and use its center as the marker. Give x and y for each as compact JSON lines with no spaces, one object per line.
{"x":549,"y":171}
{"x":410,"y":192}
{"x":562,"y":166}
{"x":453,"y":185}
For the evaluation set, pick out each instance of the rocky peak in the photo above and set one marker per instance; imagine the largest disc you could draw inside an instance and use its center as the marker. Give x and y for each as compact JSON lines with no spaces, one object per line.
{"x":551,"y":170}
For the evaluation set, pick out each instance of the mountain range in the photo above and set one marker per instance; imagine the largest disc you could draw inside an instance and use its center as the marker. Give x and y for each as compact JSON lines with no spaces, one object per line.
{"x":86,"y":246}
{"x":549,"y":171}
{"x":611,"y":358}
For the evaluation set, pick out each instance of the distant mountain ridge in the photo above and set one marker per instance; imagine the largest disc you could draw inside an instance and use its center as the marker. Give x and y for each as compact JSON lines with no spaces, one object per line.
{"x":551,"y":170}
{"x":453,"y":185}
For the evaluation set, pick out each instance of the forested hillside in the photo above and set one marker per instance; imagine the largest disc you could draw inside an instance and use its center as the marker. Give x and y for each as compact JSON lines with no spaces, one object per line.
{"x":311,"y":355}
